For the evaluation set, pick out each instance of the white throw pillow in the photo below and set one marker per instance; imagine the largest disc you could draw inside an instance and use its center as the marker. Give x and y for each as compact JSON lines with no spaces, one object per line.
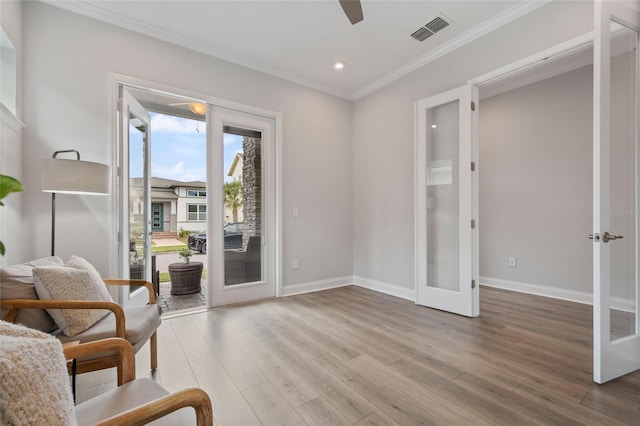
{"x":67,"y":283}
{"x":82,"y":264}
{"x":33,"y":378}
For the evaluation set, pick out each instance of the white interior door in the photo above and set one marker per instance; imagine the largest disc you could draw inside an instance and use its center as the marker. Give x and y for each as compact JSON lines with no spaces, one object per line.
{"x":134,"y":197}
{"x":616,"y":340}
{"x":242,"y":247}
{"x":446,"y":228}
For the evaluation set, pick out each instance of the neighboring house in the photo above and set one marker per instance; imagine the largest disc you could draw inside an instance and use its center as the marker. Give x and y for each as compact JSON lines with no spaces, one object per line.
{"x":175,"y":205}
{"x":235,"y":173}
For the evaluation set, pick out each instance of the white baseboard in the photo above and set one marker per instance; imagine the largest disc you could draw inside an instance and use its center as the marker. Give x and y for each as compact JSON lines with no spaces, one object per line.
{"x":393,"y":290}
{"x":556,"y":293}
{"x":292,"y":289}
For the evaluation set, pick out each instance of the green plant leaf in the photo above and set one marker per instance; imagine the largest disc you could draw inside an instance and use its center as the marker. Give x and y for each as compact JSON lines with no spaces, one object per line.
{"x":9,"y":185}
{"x":1,"y":249}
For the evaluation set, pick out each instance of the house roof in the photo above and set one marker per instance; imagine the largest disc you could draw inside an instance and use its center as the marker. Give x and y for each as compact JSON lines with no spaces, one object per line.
{"x":157,"y":182}
{"x":166,"y":195}
{"x":239,"y":157}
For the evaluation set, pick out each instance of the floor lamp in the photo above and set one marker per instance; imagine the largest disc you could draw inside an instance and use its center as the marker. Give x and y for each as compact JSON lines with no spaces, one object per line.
{"x":72,"y":177}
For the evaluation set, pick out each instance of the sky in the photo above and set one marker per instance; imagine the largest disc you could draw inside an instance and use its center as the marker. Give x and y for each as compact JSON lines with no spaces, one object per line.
{"x":178,"y":149}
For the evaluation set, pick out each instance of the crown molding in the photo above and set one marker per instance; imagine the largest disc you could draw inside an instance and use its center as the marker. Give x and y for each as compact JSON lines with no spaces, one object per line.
{"x":95,"y":12}
{"x":103,"y":15}
{"x":467,"y":37}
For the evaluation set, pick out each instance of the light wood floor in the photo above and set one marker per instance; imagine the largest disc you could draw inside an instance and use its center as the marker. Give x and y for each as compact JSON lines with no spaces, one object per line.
{"x":356,"y":357}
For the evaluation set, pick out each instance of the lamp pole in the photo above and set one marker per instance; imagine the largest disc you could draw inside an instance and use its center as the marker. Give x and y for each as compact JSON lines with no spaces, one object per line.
{"x":53,"y":203}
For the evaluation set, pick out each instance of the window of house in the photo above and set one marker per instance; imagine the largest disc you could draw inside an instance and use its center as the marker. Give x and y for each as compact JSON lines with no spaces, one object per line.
{"x":196,"y":193}
{"x":197,"y":212}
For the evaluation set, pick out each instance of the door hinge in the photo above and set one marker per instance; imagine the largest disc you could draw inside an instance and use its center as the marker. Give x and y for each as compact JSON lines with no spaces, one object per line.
{"x":473,"y":224}
{"x":473,"y":106}
{"x":473,"y":284}
{"x":473,"y":166}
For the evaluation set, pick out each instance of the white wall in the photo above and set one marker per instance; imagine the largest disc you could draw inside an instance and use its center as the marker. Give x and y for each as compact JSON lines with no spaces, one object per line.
{"x":383,"y":127}
{"x":536,"y":183}
{"x":11,"y":153}
{"x":68,"y":59}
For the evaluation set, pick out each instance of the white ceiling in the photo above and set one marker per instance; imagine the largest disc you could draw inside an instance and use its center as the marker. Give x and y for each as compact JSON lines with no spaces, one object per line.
{"x":300,"y":40}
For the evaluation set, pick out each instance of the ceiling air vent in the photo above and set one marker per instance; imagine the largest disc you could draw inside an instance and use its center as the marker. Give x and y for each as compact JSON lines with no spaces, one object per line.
{"x":437,"y":24}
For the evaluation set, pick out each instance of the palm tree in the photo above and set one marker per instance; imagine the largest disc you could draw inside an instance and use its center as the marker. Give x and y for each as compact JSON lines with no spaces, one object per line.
{"x":233,"y":197}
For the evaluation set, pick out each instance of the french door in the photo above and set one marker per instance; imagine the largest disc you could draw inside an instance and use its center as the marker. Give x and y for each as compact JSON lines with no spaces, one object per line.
{"x":446,"y":229}
{"x":616,"y":182}
{"x":242,"y":246}
{"x":134,"y":197}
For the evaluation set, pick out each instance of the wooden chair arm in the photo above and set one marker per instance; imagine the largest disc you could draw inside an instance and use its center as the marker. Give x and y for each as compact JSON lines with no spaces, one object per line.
{"x":142,"y":283}
{"x":122,"y":348}
{"x":12,"y":307}
{"x":193,"y":397}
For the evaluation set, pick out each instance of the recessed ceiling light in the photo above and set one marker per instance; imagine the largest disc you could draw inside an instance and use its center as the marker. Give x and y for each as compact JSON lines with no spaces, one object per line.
{"x":339,"y":65}
{"x":433,"y":126}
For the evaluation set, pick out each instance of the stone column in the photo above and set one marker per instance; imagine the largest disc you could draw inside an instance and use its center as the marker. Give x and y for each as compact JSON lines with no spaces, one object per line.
{"x":251,"y":189}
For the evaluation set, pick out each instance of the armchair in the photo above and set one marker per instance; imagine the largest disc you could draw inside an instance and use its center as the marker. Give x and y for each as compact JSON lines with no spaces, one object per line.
{"x":19,"y":303}
{"x":34,"y":386}
{"x":138,"y":401}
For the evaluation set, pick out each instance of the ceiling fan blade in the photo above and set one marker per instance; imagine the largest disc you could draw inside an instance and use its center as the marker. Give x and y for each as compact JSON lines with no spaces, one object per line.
{"x":353,"y":10}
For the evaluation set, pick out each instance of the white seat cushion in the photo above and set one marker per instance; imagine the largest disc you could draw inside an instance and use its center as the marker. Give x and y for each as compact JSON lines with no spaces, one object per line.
{"x":141,"y":322}
{"x":126,"y":397}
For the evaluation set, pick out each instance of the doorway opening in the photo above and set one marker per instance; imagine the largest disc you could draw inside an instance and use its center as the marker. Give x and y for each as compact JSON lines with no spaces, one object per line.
{"x":167,"y":198}
{"x":567,"y":181}
{"x":536,"y":165}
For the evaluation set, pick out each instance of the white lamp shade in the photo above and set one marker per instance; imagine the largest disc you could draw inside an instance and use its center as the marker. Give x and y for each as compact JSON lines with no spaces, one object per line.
{"x":75,"y":177}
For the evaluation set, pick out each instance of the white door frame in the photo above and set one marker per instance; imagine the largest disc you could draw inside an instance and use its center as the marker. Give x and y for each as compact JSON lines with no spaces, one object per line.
{"x":611,"y":358}
{"x":219,"y":294}
{"x":602,"y":344}
{"x":464,"y":300}
{"x":133,"y":82}
{"x":130,"y":106}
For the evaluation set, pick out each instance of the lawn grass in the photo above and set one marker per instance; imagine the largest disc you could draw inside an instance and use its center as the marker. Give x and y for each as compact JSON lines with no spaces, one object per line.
{"x":167,"y":249}
{"x":165,"y":278}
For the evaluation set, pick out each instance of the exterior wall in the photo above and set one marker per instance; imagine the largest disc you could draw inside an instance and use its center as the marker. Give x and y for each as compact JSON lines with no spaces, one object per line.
{"x":183,"y":201}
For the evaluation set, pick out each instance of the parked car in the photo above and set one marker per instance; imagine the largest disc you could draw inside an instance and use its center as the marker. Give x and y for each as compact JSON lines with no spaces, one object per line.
{"x":232,"y":238}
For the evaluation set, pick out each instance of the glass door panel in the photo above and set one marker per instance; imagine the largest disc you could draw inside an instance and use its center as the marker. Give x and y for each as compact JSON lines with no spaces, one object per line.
{"x":138,"y":234}
{"x":443,"y":196}
{"x":446,"y":252}
{"x":243,"y":200}
{"x":623,"y":186}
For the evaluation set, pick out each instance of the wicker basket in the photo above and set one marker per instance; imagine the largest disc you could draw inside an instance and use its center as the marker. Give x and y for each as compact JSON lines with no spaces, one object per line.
{"x":186,"y":278}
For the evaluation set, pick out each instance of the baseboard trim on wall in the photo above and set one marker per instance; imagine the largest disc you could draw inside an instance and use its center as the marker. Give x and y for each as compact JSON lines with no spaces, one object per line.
{"x":309,"y":287}
{"x":382,"y":287}
{"x":555,"y":293}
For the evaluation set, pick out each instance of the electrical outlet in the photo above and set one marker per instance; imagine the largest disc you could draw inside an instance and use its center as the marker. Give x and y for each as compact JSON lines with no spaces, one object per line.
{"x":296,"y":211}
{"x":513,"y":262}
{"x":296,"y":263}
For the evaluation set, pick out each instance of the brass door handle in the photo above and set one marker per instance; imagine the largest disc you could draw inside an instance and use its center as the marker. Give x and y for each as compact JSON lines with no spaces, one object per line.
{"x":607,"y":236}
